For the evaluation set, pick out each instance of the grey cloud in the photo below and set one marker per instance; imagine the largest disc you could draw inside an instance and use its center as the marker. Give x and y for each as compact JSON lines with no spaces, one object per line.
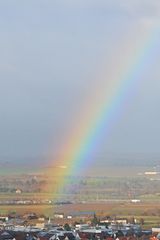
{"x":51,"y":54}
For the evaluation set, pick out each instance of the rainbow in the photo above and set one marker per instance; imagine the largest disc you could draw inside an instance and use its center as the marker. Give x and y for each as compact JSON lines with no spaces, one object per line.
{"x":113,"y":88}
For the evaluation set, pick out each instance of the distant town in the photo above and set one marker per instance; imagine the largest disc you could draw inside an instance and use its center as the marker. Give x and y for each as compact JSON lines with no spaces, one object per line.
{"x":31,"y":227}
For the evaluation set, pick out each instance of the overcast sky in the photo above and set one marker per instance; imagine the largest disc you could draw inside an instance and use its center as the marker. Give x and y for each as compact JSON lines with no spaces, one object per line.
{"x":50,"y":53}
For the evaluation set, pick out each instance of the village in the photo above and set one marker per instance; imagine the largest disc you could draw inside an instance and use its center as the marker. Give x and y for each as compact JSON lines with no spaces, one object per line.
{"x":33,"y":227}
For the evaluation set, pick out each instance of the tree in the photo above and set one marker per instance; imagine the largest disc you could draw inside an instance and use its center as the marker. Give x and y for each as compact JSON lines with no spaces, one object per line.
{"x":95,"y":220}
{"x":141,"y":221}
{"x":132,"y":220}
{"x":67,"y":227}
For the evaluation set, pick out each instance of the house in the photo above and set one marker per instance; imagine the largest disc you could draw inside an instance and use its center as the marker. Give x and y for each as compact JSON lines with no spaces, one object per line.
{"x":59,"y":215}
{"x":120,"y":221}
{"x":69,"y":235}
{"x":5,"y":235}
{"x":156,"y":230}
{"x":46,"y":236}
{"x":18,"y":191}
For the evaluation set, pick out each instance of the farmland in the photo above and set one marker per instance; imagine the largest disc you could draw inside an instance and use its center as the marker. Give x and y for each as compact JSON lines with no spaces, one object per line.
{"x":150,"y":213}
{"x":106,"y":196}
